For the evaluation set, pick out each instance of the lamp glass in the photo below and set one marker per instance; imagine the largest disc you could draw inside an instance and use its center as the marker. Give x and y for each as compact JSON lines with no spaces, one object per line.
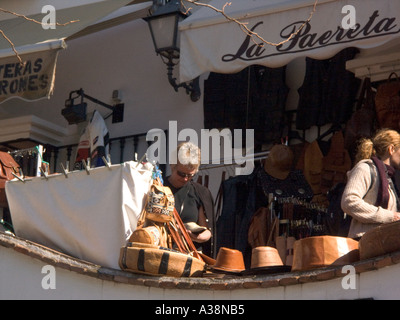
{"x":163,"y":31}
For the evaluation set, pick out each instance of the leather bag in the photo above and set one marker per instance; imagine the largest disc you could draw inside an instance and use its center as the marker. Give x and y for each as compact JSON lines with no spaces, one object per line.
{"x":8,"y":166}
{"x":335,"y":164}
{"x":154,"y":234}
{"x":160,"y":203}
{"x":362,"y":123}
{"x":158,"y":261}
{"x":259,"y":229}
{"x":387,"y":103}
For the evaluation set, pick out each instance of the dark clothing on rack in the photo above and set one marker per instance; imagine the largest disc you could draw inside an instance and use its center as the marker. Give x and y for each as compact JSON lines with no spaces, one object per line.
{"x":253,"y":98}
{"x":328,"y":92}
{"x":268,"y":101}
{"x":295,"y":185}
{"x":239,"y":195}
{"x":237,"y":202}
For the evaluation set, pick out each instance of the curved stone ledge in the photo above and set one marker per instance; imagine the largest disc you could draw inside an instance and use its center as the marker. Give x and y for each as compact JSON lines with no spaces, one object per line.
{"x":208,"y":282}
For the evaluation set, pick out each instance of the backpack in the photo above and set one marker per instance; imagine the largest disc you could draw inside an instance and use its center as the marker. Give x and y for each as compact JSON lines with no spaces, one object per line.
{"x":337,"y":222}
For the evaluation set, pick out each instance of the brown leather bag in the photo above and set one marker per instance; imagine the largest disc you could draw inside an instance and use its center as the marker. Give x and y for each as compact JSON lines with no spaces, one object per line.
{"x":362,"y":123}
{"x":387,"y":103}
{"x":335,"y":164}
{"x":8,"y":166}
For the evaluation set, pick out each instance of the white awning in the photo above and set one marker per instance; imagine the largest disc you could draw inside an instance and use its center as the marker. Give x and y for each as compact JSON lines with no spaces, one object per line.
{"x":209,"y":42}
{"x":22,"y":32}
{"x":38,"y":46}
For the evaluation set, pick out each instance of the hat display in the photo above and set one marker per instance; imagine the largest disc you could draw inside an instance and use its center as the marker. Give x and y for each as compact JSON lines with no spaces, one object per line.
{"x":229,"y":260}
{"x":264,"y":260}
{"x":194,"y":227}
{"x":265,"y":257}
{"x":322,"y":251}
{"x":279,"y":162}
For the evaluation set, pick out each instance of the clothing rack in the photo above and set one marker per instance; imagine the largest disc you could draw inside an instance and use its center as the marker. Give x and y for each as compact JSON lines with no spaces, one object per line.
{"x":36,"y":151}
{"x":257,"y":156}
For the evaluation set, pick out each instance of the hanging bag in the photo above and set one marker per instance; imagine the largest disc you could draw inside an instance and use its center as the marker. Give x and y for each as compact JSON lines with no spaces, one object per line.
{"x":362,"y":123}
{"x":154,"y":234}
{"x":160,"y":203}
{"x":8,"y":166}
{"x":387,"y":103}
{"x":157,"y":211}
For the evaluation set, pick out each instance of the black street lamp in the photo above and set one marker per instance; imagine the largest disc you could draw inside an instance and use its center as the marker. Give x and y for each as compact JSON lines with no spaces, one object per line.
{"x":163,"y":24}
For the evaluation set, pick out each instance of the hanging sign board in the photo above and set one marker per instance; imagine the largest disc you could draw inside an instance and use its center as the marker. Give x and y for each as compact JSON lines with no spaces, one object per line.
{"x":31,"y":80}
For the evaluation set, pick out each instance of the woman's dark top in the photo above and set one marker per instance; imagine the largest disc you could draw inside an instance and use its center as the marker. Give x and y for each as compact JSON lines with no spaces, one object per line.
{"x":193,"y":195}
{"x":187,"y":202}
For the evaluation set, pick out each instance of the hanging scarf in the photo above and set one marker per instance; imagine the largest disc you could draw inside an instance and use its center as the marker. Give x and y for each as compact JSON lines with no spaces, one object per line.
{"x":385,"y":172}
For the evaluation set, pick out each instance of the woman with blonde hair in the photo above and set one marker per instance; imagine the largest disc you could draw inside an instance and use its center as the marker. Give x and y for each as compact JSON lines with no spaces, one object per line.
{"x":370,"y":197}
{"x":193,"y":202}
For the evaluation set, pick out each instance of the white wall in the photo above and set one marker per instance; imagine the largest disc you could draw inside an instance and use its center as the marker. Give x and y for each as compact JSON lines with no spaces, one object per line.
{"x":21,"y":278}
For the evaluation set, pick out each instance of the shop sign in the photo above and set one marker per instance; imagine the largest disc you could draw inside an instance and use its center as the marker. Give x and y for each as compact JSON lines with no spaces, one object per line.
{"x":308,"y":38}
{"x":333,"y":27}
{"x":31,"y":80}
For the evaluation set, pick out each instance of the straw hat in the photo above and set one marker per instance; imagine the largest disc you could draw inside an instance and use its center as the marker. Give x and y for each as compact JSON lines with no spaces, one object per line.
{"x":229,"y":260}
{"x":279,"y":162}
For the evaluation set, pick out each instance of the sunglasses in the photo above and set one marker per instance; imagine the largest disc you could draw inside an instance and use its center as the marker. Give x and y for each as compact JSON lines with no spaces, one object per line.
{"x":185,"y":175}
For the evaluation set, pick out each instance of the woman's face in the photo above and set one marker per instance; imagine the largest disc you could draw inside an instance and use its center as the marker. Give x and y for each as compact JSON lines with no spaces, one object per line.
{"x":395,"y":157}
{"x":181,"y":175}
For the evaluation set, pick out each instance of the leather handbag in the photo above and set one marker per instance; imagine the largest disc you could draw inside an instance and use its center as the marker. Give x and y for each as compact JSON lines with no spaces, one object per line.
{"x":8,"y":166}
{"x":335,"y":164}
{"x":387,"y":103}
{"x":363,"y":121}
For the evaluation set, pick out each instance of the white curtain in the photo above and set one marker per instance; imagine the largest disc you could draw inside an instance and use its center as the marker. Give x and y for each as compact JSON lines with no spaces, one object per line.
{"x":88,"y":216}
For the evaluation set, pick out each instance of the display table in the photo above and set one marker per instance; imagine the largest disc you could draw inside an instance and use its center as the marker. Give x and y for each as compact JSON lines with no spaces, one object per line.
{"x":88,"y":215}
